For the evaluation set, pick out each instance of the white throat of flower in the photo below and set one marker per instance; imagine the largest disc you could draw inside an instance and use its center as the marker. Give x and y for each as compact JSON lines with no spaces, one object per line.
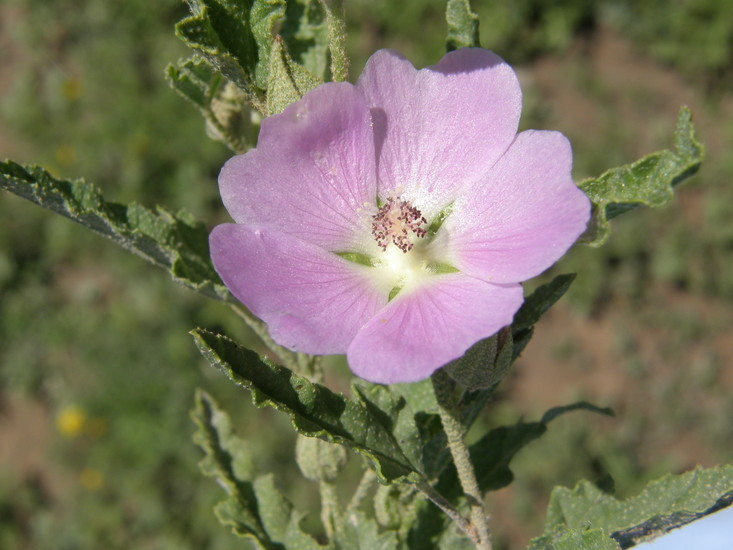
{"x":405,"y":253}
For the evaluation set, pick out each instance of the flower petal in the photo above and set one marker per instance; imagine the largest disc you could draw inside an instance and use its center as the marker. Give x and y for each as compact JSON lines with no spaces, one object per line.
{"x":439,"y":128}
{"x":312,"y":301}
{"x":312,"y":174}
{"x":419,"y":332}
{"x":522,"y":217}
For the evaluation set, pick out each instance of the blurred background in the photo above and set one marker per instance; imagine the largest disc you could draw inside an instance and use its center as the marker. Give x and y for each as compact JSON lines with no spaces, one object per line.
{"x":97,"y":370}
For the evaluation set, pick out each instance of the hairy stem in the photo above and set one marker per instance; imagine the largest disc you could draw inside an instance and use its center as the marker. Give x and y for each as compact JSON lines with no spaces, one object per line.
{"x":445,"y":394}
{"x":440,"y":501}
{"x":365,"y":485}
{"x":330,"y":508}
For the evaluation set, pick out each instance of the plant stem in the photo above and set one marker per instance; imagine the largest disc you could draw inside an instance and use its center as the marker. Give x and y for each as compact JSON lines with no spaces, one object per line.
{"x":330,"y":508}
{"x":445,"y":394}
{"x":440,"y":501}
{"x":365,"y":485}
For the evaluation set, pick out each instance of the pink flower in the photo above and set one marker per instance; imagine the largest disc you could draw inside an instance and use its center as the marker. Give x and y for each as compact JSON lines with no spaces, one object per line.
{"x":393,"y":220}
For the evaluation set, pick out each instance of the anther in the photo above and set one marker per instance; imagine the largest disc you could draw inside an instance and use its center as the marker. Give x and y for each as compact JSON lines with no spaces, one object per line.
{"x":394,"y":222}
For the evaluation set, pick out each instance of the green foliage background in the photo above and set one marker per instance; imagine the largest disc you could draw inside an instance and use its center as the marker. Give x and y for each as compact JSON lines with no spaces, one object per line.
{"x":84,"y":324}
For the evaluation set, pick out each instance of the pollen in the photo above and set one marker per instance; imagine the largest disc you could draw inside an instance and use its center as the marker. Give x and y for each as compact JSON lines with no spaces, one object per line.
{"x":398,"y":222}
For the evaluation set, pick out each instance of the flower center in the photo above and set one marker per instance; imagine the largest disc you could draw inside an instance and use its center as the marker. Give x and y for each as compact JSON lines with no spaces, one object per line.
{"x":396,"y":222}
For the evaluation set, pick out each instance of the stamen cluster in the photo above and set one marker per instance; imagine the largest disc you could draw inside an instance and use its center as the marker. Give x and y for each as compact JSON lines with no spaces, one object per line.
{"x":395,"y":221}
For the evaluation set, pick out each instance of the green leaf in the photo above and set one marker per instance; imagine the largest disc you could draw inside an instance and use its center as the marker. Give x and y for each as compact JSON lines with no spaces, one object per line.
{"x":236,"y":37}
{"x":173,"y":241}
{"x":305,"y":31}
{"x":315,"y":410}
{"x":227,"y":460}
{"x":462,"y":25}
{"x":577,"y":539}
{"x":492,"y":453}
{"x":288,"y":81}
{"x":491,"y":456}
{"x":535,"y":306}
{"x":665,"y":504}
{"x":360,"y":532}
{"x":220,"y":102}
{"x":255,"y":508}
{"x":649,"y":181}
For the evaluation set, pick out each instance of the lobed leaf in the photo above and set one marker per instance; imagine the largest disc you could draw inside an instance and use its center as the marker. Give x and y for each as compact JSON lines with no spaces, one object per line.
{"x":255,"y":508}
{"x":649,"y":181}
{"x":315,"y":410}
{"x":220,"y":102}
{"x":665,"y":504}
{"x":173,"y":241}
{"x":462,"y":25}
{"x":235,"y":36}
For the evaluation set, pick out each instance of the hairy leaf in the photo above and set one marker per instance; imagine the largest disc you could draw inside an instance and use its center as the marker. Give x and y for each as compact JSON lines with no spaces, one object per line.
{"x":220,"y":102}
{"x":305,"y":31}
{"x":235,"y":36}
{"x":649,"y":181}
{"x":665,"y":504}
{"x":255,"y":508}
{"x":535,"y":306}
{"x":491,"y":456}
{"x":315,"y":410}
{"x":288,"y":81}
{"x":173,"y":241}
{"x":462,"y":25}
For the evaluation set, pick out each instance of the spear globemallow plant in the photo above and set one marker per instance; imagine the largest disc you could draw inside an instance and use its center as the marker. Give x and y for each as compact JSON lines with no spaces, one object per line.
{"x":394,"y":220}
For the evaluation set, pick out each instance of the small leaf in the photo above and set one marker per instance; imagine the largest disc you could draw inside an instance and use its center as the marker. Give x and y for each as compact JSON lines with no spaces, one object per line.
{"x":288,"y":81}
{"x":235,"y":36}
{"x":462,"y":25}
{"x":649,"y":181}
{"x":361,"y":532}
{"x":535,"y":306}
{"x":172,"y":241}
{"x":305,"y":31}
{"x":665,"y":504}
{"x":315,"y":410}
{"x":221,"y":103}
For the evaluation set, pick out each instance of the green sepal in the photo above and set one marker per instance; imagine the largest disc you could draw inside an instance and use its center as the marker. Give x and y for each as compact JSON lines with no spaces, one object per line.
{"x":288,"y":81}
{"x":665,"y":504}
{"x":649,"y":181}
{"x":462,"y":25}
{"x":175,"y":242}
{"x":315,"y":411}
{"x":356,"y":257}
{"x":438,"y":220}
